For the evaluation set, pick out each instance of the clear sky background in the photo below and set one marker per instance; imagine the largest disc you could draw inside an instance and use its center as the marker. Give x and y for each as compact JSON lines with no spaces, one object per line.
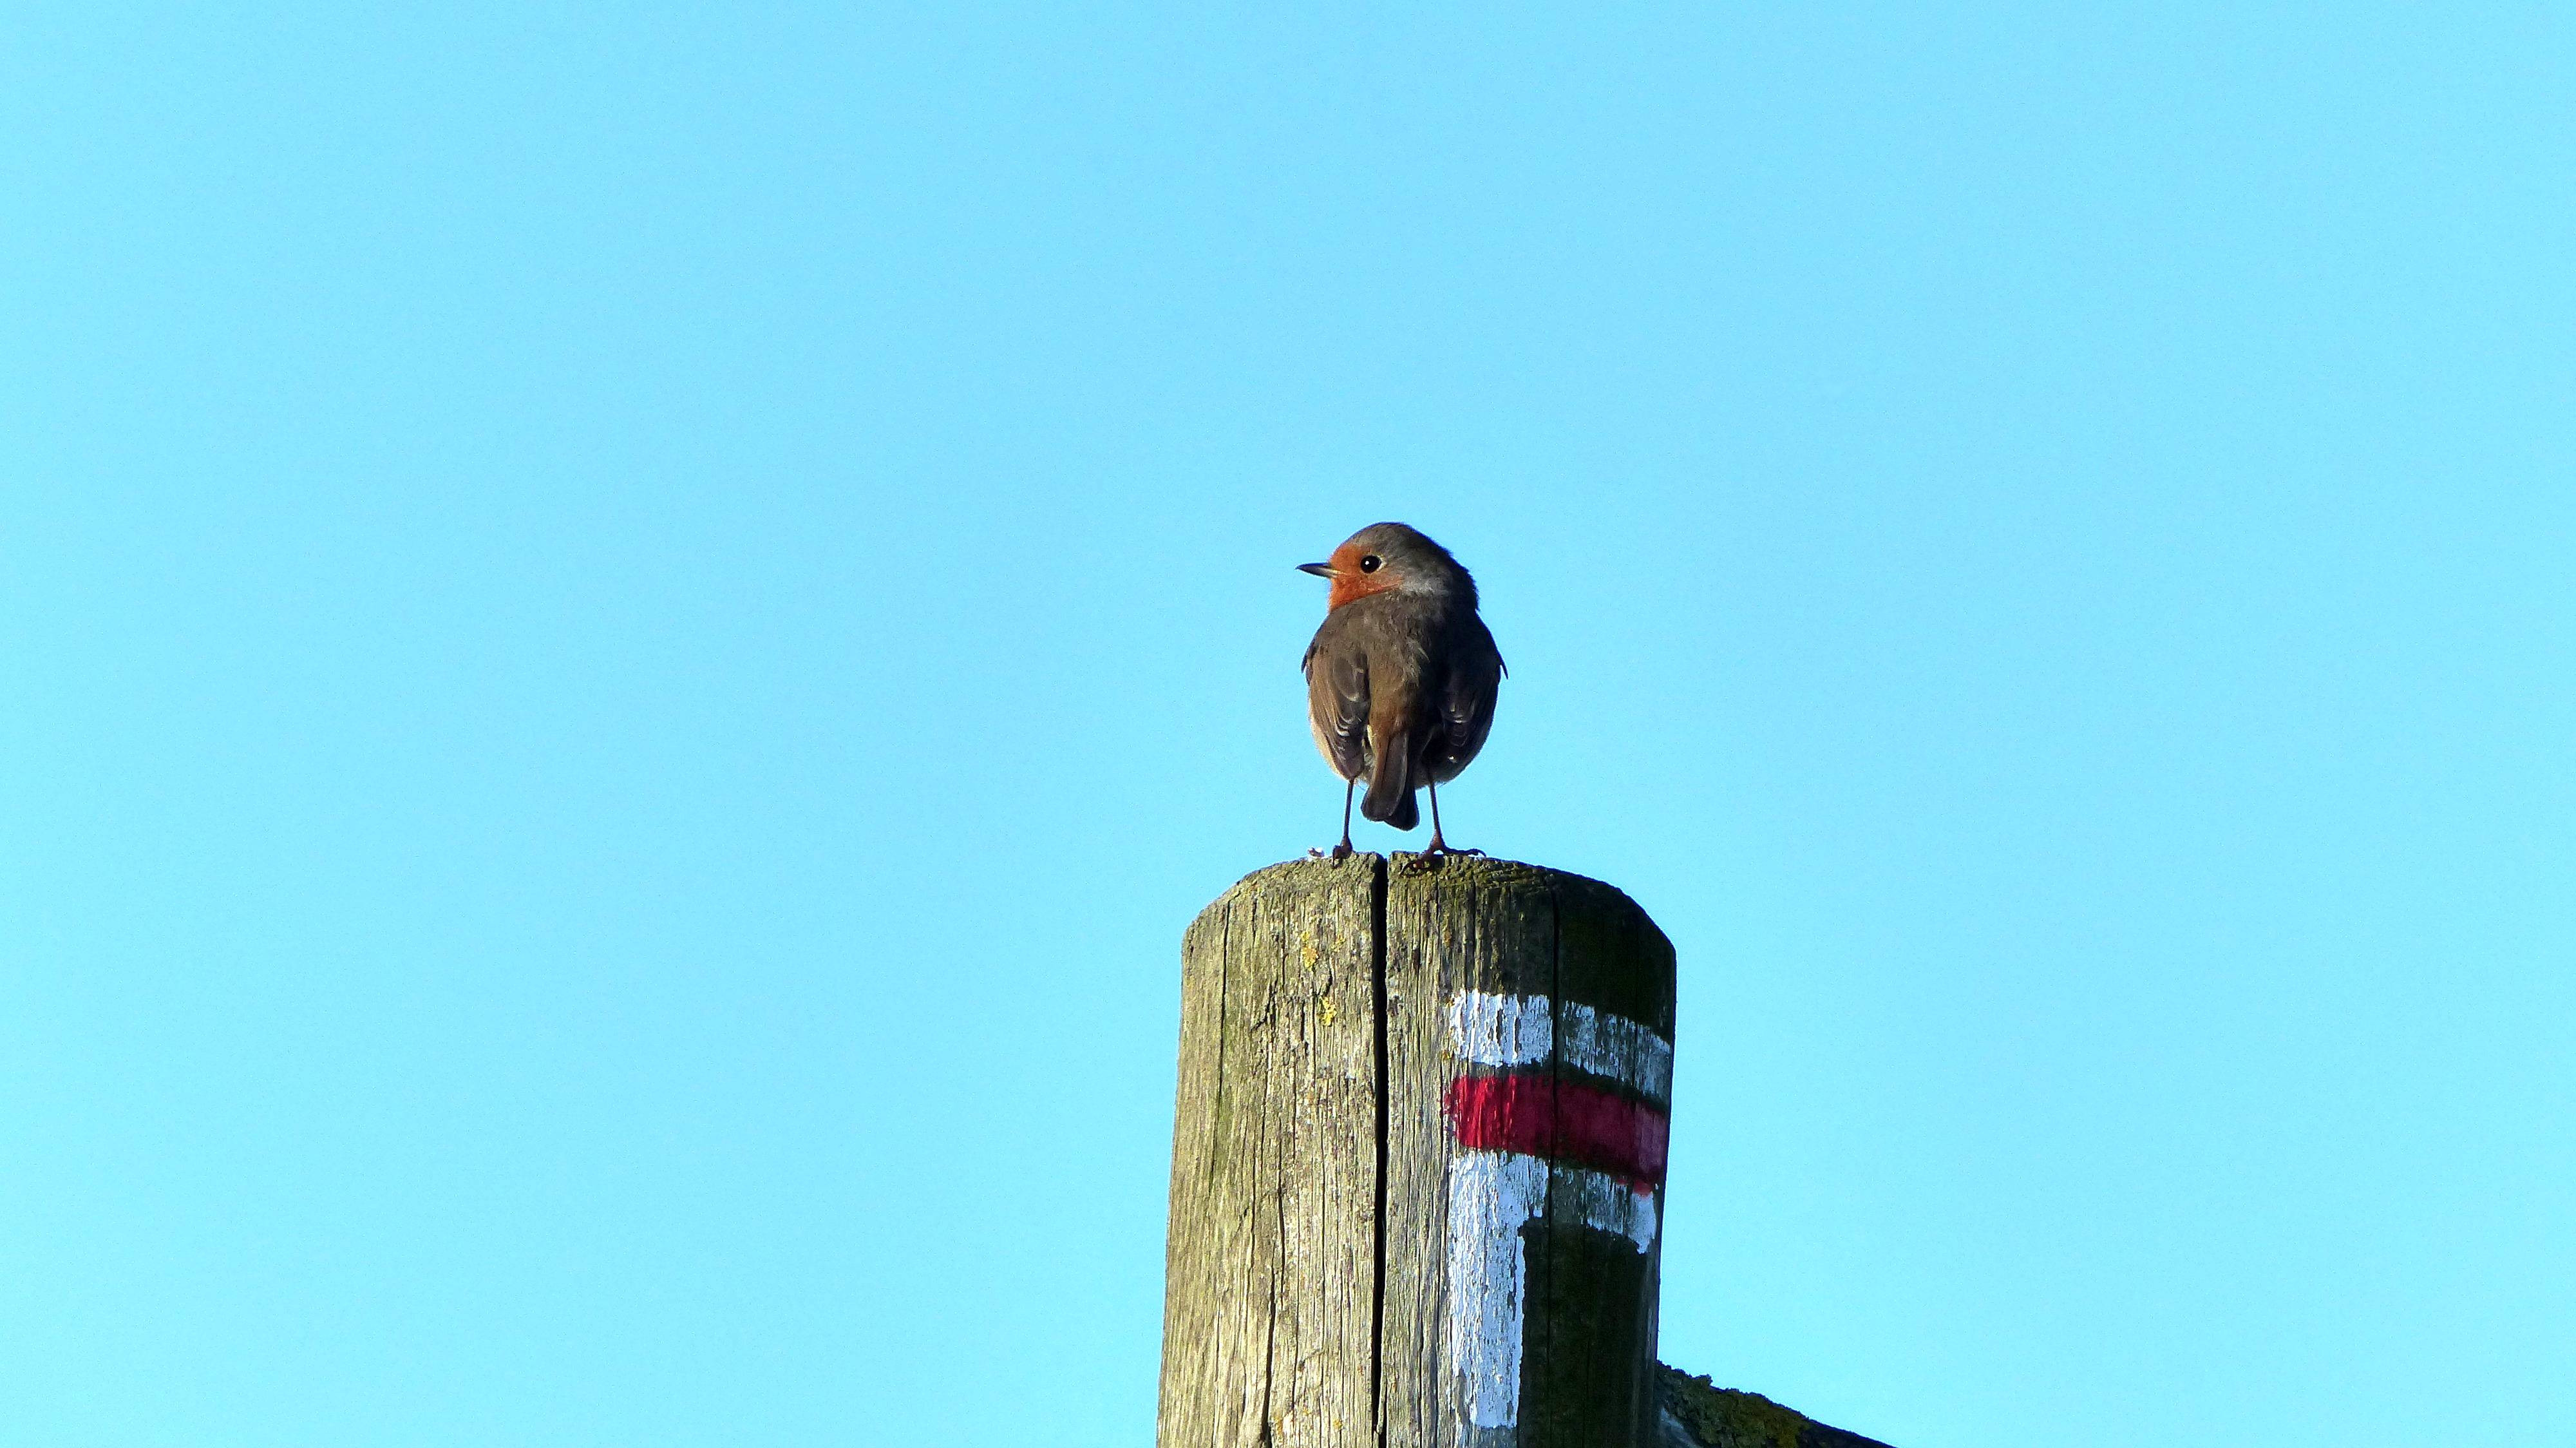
{"x":629,"y":634}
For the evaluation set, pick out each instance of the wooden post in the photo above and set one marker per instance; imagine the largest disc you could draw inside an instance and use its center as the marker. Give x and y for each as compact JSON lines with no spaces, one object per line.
{"x":1417,"y":1161}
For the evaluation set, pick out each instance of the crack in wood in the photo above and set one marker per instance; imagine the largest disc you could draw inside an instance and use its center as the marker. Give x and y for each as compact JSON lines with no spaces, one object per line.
{"x":1378,"y":1226}
{"x":1316,"y":1161}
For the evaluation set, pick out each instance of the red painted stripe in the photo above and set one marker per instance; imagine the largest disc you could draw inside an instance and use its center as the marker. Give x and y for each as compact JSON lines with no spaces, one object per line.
{"x":1562,"y":1121}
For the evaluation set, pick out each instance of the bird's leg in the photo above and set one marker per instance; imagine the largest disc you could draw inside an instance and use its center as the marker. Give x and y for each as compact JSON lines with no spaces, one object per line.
{"x":1342,"y":851}
{"x":1437,"y":845}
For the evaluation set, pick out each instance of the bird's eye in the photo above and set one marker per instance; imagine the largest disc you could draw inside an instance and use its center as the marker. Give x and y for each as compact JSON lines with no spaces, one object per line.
{"x":1369,"y":564}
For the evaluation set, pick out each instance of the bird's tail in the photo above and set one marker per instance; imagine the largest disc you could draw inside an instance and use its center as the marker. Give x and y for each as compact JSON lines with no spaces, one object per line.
{"x":1390,"y":791}
{"x":1407,"y":814}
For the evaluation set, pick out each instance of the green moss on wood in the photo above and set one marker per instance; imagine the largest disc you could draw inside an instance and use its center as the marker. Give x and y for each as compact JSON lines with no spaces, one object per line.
{"x":1724,"y":1418}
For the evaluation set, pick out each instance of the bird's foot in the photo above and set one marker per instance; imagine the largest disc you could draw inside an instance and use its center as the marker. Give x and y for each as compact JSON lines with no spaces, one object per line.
{"x":1436,"y":854}
{"x":1342,"y":851}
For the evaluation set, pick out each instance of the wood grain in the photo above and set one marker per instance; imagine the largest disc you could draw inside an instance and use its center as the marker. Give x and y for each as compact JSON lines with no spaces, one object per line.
{"x":1269,"y":1298}
{"x":1309,"y":1298}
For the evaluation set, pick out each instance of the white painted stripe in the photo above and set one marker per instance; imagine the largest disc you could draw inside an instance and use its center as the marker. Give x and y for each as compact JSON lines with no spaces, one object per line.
{"x":1501,"y":1030}
{"x":1492,"y":1195}
{"x":1610,"y":1205}
{"x":1491,"y":1029}
{"x":1616,"y":1047}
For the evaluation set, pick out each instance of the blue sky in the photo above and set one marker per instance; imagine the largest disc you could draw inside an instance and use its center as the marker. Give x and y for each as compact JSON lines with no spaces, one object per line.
{"x":632,"y":631}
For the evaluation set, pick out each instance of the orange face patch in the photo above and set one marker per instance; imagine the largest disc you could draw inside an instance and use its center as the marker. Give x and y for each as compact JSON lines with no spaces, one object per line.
{"x":1350,"y":584}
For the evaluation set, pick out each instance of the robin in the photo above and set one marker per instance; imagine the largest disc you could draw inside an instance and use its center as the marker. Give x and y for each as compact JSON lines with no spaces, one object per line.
{"x":1400,"y":679}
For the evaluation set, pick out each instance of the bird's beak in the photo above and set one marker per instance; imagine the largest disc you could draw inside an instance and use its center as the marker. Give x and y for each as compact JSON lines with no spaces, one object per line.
{"x":1320,"y":570}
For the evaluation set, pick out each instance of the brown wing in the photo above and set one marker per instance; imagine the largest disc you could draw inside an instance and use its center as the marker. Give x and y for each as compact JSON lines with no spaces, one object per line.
{"x":1337,"y":700}
{"x":1467,"y":703}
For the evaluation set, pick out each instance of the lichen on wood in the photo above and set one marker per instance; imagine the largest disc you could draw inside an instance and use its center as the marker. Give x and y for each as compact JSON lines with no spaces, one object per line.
{"x":1316,"y":1272}
{"x":1700,"y":1414}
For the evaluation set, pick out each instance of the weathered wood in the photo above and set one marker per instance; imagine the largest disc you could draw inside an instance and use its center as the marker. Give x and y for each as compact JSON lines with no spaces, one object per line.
{"x":1268,"y":1309}
{"x":1699,"y":1414}
{"x":1447,"y":1082}
{"x":1577,"y":1367}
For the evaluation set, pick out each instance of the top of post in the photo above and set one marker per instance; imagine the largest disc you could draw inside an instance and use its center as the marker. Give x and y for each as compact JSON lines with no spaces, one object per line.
{"x":1592,"y":917}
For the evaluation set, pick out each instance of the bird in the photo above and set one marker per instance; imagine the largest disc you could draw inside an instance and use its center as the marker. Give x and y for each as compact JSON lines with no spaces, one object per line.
{"x":1401,"y":677}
